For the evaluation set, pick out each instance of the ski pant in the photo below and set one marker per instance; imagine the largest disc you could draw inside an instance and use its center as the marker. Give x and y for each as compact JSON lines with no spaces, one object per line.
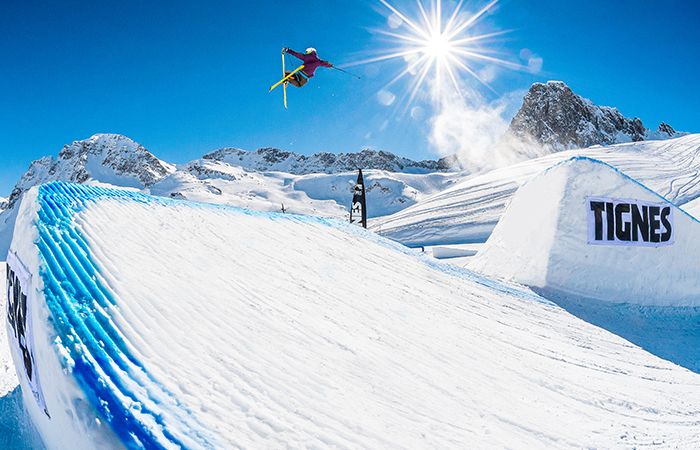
{"x":297,"y":79}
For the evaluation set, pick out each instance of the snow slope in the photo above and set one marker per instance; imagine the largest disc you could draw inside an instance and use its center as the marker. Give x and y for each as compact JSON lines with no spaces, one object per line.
{"x":326,"y":195}
{"x":178,"y":323}
{"x":543,"y":241}
{"x":468,"y":211}
{"x":693,"y":207}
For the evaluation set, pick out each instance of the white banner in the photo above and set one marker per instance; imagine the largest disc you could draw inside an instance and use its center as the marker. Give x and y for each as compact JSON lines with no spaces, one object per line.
{"x":628,"y":222}
{"x":19,"y":319}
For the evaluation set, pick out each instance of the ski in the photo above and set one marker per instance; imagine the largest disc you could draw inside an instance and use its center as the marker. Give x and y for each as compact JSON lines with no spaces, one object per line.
{"x":291,"y":74}
{"x":284,"y":85}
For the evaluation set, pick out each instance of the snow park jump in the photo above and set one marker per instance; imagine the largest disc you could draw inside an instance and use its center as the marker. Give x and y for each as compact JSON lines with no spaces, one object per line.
{"x":227,"y":335}
{"x":584,"y":228}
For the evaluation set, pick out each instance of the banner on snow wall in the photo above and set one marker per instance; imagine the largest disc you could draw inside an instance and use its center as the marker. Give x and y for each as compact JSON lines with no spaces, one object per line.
{"x":629,"y":222}
{"x":358,"y":209}
{"x":19,"y":319}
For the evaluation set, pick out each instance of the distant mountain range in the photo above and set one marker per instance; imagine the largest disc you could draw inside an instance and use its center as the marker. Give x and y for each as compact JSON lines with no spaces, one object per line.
{"x":272,"y":159}
{"x":267,"y":179}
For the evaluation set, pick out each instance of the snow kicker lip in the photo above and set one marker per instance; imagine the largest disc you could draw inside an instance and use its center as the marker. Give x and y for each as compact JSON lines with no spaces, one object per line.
{"x":94,"y":350}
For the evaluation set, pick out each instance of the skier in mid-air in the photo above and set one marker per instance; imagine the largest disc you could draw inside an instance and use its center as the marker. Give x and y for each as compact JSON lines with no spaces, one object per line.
{"x":311,"y":63}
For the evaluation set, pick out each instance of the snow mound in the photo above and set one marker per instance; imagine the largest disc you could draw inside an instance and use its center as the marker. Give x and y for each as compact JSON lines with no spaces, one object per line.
{"x":146,"y":322}
{"x":584,"y":228}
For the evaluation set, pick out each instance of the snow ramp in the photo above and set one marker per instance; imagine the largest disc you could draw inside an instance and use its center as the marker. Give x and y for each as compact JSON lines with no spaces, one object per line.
{"x":143,"y":322}
{"x":586,"y":229}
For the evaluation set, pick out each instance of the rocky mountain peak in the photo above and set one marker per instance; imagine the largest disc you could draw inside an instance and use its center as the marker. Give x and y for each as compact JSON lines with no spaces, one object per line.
{"x":107,"y":158}
{"x":666,"y":129}
{"x":553,"y":115}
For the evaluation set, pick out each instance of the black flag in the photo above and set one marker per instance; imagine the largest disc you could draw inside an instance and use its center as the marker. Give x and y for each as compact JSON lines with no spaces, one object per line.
{"x":358,"y":209}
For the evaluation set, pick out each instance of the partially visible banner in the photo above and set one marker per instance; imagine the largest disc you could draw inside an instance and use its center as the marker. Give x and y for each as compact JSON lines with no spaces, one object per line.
{"x":19,"y":318}
{"x":358,"y":209}
{"x":629,"y":222}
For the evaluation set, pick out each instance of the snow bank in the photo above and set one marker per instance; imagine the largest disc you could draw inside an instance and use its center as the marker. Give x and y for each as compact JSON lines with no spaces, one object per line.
{"x":159,"y":323}
{"x":582,"y":227}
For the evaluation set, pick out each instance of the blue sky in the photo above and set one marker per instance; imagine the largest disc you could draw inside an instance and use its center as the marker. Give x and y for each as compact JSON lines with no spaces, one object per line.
{"x":184,"y":77}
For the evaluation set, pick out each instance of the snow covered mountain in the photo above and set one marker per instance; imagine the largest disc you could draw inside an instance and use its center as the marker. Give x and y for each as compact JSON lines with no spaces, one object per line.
{"x":553,"y":115}
{"x":106,"y":158}
{"x":265,"y":180}
{"x":320,"y":194}
{"x":272,"y":159}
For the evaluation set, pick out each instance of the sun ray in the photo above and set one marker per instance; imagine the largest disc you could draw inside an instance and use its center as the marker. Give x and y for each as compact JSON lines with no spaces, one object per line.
{"x":407,"y":70}
{"x":501,"y":62}
{"x":480,"y":37}
{"x":471,"y":72}
{"x":406,"y":20}
{"x":453,"y":78}
{"x":403,"y":37}
{"x":383,"y":57}
{"x":454,"y":15}
{"x":472,"y":20}
{"x":440,"y":45}
{"x":424,"y":14}
{"x":417,"y":85}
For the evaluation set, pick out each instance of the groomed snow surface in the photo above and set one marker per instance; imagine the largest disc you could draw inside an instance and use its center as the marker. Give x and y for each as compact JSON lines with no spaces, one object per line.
{"x":176,"y":323}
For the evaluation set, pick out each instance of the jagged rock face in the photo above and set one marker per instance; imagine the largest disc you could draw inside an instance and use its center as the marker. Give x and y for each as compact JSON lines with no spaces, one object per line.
{"x":666,"y":129}
{"x":272,"y":159}
{"x":109,"y":158}
{"x":552,"y":114}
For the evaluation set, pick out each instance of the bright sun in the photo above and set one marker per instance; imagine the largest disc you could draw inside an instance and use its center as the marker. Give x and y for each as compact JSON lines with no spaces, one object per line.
{"x":437,"y":46}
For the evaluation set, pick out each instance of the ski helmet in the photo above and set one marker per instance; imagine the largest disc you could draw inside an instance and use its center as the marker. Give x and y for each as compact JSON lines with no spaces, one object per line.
{"x":310,"y":50}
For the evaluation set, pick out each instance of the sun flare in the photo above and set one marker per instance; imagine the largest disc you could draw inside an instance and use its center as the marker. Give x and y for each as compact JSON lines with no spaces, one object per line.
{"x":437,"y":47}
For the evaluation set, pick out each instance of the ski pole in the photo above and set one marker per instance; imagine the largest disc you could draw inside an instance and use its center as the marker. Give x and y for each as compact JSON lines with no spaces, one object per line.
{"x":349,"y":73}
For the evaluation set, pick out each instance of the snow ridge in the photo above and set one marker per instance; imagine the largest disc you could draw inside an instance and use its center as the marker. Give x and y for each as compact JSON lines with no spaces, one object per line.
{"x":272,"y":159}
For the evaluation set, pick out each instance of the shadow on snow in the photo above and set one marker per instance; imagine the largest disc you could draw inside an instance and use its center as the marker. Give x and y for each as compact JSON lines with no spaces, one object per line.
{"x":671,"y":333}
{"x":16,"y":431}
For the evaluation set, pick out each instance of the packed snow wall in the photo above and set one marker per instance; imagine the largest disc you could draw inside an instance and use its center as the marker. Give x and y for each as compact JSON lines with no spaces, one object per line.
{"x":145,"y":322}
{"x":584,"y":228}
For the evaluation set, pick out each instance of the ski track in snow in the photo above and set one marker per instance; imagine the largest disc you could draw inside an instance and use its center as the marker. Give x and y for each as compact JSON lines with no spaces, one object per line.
{"x":468,"y":211}
{"x":271,"y":330}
